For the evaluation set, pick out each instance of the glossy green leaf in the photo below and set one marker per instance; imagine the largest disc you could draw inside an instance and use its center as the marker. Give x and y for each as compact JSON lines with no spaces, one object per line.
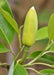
{"x":6,"y":6}
{"x":5,"y":25}
{"x":47,"y":72}
{"x":52,"y":49}
{"x":3,"y":49}
{"x":45,"y":58}
{"x":34,"y":54}
{"x":42,"y":33}
{"x":9,"y":18}
{"x":20,"y":70}
{"x":4,"y":35}
{"x":11,"y":69}
{"x":51,"y":27}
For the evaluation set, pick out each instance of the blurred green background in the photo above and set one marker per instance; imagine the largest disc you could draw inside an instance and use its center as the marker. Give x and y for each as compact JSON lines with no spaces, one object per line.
{"x":19,"y":8}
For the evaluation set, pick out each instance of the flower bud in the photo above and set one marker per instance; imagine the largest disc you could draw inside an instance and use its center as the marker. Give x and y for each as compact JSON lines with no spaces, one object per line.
{"x":30,"y":28}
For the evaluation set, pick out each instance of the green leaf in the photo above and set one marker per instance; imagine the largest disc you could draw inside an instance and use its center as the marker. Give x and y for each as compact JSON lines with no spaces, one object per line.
{"x":45,"y":58}
{"x":11,"y":69}
{"x":3,"y":49}
{"x":6,"y":6}
{"x":47,"y":72}
{"x":4,"y":35}
{"x":34,"y":54}
{"x":51,"y":27}
{"x":1,"y":3}
{"x":19,"y":70}
{"x":42,"y":33}
{"x":5,"y":25}
{"x":53,"y":66}
{"x":8,"y":17}
{"x":52,"y":49}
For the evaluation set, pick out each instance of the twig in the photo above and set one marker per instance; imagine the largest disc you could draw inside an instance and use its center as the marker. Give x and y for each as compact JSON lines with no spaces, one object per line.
{"x":33,"y":70}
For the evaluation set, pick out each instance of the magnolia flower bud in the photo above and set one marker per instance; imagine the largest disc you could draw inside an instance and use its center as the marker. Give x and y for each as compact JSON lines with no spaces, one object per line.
{"x":30,"y":28}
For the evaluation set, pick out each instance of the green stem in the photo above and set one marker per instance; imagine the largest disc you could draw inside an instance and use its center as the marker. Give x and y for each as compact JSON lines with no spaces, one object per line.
{"x":19,"y":40}
{"x":19,"y":53}
{"x":42,"y":64}
{"x":36,"y":57}
{"x":24,"y":57}
{"x":40,"y":54}
{"x":19,"y":37}
{"x":3,"y":64}
{"x":12,"y":54}
{"x":26,"y":50}
{"x":33,"y":70}
{"x":38,"y":64}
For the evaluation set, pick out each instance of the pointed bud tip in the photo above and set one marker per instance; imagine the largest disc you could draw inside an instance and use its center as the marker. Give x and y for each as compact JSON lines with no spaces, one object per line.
{"x":32,"y":7}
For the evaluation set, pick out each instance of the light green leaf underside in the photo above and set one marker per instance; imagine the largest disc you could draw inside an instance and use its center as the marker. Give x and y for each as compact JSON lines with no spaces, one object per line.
{"x":51,"y":27}
{"x":47,"y":72}
{"x":42,"y":33}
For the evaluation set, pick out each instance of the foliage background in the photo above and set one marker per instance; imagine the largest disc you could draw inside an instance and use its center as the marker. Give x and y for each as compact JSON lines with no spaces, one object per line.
{"x":19,"y":8}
